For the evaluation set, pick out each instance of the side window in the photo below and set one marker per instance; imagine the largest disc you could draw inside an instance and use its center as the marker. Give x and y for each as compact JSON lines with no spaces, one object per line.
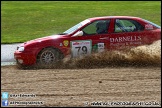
{"x":97,"y":27}
{"x":122,"y":25}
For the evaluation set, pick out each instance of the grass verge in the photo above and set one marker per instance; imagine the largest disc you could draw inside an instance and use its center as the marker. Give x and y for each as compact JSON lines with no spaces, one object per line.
{"x":25,"y":20}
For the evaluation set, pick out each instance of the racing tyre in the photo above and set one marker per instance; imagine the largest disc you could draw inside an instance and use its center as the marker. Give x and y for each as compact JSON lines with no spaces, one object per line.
{"x":48,"y":57}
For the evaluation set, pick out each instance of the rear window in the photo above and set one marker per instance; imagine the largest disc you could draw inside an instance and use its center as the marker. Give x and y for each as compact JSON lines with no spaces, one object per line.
{"x":127,"y":25}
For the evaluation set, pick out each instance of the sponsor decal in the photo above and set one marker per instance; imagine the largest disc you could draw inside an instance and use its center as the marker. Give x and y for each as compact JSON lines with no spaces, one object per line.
{"x":106,"y":38}
{"x":127,"y":28}
{"x":80,"y":43}
{"x":80,"y":48}
{"x":117,"y":44}
{"x":66,"y":43}
{"x":148,"y":26}
{"x":95,"y":48}
{"x":76,"y":43}
{"x":125,"y":42}
{"x":61,"y":44}
{"x":126,"y":39}
{"x":101,"y":47}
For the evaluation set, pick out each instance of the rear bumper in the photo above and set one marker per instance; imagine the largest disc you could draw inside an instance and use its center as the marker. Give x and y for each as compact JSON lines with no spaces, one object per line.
{"x":25,"y":58}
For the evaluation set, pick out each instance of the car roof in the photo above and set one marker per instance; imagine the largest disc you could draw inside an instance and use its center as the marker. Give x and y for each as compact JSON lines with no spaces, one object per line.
{"x":111,"y":17}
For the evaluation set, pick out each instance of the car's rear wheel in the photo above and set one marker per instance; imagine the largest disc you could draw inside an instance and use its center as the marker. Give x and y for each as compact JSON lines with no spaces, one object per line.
{"x":48,"y":57}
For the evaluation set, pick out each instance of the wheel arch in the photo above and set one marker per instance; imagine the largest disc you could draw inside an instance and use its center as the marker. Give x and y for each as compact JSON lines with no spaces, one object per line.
{"x":39,"y":52}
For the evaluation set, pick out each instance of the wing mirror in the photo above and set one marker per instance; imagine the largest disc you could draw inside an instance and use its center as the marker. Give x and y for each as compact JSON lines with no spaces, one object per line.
{"x":79,"y":33}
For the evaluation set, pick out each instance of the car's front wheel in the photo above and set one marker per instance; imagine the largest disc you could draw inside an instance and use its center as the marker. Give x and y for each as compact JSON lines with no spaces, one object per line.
{"x":48,"y":57}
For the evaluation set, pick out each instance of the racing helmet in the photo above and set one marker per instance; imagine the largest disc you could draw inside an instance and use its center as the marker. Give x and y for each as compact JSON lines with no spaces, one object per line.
{"x":101,"y":27}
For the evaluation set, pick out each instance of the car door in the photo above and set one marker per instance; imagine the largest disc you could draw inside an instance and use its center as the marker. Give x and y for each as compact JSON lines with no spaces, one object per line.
{"x":127,"y":33}
{"x":95,"y":32}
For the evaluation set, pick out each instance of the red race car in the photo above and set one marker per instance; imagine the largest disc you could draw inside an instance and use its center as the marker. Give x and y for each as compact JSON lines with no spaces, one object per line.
{"x":91,"y":35}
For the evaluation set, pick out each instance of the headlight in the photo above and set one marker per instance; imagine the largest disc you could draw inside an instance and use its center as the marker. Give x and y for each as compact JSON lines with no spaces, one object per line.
{"x":21,"y":49}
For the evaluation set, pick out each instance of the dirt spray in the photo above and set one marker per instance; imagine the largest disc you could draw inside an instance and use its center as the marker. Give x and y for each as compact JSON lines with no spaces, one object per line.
{"x":146,"y":55}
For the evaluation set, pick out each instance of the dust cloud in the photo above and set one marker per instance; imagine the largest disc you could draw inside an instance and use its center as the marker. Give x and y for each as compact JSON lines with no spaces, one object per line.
{"x":146,"y":55}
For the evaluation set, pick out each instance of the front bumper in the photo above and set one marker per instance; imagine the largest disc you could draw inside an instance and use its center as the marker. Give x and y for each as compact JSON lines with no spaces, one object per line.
{"x":25,"y":58}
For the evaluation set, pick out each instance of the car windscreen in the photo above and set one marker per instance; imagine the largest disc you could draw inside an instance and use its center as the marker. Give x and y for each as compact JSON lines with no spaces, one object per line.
{"x":74,"y":28}
{"x":157,"y":26}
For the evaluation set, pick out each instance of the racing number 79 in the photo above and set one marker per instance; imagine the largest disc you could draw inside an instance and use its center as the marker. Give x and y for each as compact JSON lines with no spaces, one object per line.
{"x":83,"y":49}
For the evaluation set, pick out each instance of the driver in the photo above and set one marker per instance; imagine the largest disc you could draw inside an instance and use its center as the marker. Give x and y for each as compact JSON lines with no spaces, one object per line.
{"x":101,"y":27}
